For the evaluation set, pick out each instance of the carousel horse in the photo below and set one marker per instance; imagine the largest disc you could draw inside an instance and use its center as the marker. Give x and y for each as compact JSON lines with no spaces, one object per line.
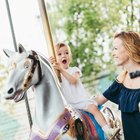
{"x":54,"y":119}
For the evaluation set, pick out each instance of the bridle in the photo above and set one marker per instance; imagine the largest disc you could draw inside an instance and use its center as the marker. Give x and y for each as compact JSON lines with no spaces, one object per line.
{"x":29,"y":75}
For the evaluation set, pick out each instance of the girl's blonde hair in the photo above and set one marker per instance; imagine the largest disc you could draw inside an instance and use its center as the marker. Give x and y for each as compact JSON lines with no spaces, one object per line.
{"x":61,"y":44}
{"x":131,"y":42}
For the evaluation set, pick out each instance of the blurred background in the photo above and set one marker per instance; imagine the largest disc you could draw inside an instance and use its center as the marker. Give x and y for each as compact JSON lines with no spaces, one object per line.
{"x":88,"y":26}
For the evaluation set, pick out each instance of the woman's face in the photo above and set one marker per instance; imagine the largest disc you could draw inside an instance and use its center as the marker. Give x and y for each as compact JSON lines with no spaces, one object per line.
{"x":119,"y":53}
{"x":64,"y":56}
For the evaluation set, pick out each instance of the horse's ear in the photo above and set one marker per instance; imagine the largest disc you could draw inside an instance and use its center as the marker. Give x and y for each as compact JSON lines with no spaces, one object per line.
{"x":21,"y":48}
{"x":8,"y":53}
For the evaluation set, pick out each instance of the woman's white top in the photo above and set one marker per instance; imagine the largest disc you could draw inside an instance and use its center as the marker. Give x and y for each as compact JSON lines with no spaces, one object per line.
{"x":75,"y":94}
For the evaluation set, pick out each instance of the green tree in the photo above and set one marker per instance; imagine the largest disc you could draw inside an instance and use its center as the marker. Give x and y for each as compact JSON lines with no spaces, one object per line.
{"x":89,"y":27}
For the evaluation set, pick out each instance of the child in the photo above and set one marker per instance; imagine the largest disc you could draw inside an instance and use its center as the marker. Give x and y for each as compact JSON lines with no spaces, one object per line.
{"x":73,"y":89}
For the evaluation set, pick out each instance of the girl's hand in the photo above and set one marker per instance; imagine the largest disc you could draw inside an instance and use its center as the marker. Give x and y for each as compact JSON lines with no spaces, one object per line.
{"x":52,"y":60}
{"x":57,"y":66}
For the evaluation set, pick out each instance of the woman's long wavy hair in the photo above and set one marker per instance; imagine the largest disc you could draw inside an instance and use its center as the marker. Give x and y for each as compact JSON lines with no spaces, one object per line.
{"x":131,"y":42}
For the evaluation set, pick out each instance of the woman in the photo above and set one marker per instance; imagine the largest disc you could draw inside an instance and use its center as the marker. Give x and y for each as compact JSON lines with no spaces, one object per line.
{"x":125,"y":90}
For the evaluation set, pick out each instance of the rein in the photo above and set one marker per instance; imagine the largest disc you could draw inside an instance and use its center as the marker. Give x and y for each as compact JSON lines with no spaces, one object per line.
{"x":29,"y":75}
{"x":61,"y":126}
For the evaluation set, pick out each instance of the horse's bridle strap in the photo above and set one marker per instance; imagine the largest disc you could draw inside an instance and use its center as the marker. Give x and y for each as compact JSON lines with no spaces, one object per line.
{"x":28,"y":79}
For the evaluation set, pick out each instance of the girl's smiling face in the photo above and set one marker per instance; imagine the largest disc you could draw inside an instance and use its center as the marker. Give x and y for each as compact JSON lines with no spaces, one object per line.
{"x":64,"y":56}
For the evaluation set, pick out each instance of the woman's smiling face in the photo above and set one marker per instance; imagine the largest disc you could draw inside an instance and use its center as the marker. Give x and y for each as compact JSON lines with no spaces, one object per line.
{"x":119,"y":52}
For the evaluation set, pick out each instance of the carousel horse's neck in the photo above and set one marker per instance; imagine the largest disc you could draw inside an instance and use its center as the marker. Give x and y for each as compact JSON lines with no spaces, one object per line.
{"x":49,"y":103}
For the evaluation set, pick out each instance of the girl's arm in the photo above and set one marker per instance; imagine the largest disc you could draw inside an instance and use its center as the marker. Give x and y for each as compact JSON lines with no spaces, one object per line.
{"x":100,"y":99}
{"x":72,"y":78}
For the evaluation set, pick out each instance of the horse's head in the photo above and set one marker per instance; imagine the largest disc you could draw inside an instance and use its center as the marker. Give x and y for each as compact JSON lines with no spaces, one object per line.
{"x":23,"y":73}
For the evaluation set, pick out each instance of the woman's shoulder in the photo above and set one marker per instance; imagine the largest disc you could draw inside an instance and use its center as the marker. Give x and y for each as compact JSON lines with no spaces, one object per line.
{"x":115,"y":84}
{"x":113,"y":88}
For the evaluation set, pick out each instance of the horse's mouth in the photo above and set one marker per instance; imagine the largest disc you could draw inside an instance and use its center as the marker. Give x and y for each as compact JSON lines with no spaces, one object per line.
{"x":19,"y":96}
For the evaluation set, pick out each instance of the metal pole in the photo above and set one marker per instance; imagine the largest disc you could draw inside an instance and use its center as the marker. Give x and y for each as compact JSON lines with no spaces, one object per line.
{"x":28,"y":110}
{"x":47,"y":31}
{"x":11,"y":24}
{"x":15,"y":46}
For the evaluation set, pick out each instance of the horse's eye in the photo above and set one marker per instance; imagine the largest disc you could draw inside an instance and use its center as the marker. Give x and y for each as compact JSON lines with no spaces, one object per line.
{"x":27,"y":64}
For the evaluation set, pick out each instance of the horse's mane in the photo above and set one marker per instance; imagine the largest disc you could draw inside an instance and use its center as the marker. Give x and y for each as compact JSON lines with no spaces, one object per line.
{"x":46,"y":62}
{"x":44,"y":59}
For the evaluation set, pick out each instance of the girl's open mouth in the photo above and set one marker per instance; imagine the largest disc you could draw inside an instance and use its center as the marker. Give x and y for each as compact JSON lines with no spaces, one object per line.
{"x":64,"y":61}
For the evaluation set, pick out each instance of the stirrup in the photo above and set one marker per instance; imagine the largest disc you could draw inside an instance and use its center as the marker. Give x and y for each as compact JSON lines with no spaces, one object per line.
{"x":115,"y":135}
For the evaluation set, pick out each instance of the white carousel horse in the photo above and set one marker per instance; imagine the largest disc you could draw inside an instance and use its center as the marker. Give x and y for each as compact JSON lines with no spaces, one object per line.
{"x":54,"y":119}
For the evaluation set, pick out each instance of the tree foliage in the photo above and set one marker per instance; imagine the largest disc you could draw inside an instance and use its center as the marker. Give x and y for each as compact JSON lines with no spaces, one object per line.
{"x":89,"y":27}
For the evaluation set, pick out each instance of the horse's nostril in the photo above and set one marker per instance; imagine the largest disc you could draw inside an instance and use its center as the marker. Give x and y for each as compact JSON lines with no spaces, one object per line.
{"x":10,"y":90}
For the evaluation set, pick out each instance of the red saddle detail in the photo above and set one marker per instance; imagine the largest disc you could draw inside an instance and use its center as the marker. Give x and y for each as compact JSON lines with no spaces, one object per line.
{"x":90,"y":124}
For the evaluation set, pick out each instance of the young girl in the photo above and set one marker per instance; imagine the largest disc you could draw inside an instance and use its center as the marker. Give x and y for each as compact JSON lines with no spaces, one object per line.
{"x":73,"y":89}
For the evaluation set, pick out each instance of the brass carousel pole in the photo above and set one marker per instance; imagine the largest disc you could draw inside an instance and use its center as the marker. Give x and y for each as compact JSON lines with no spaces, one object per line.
{"x":47,"y":31}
